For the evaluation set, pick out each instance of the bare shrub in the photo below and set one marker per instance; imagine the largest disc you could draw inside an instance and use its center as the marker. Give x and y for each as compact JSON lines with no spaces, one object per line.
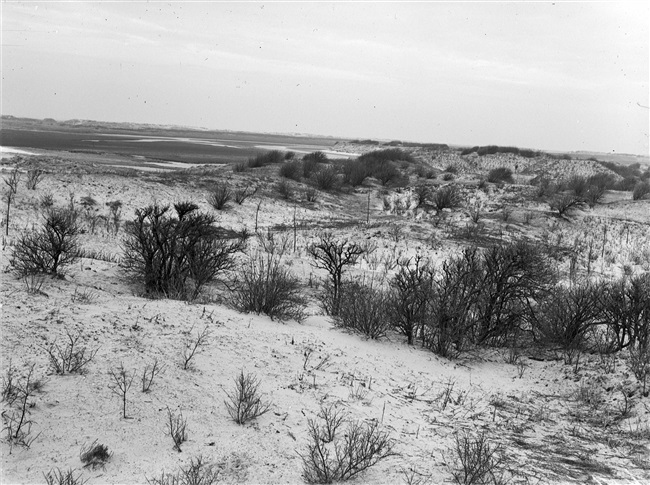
{"x":449,"y":323}
{"x":566,"y":317}
{"x":240,"y":195}
{"x":641,"y":190}
{"x":245,"y":401}
{"x":565,"y":204}
{"x":265,"y":286}
{"x":285,"y":190}
{"x":114,"y":216}
{"x":478,"y":461}
{"x":49,"y":248}
{"x":334,"y":256}
{"x":198,"y":472}
{"x":640,"y":366}
{"x":362,"y":309}
{"x":292,"y":170}
{"x":58,"y":477}
{"x":311,"y":194}
{"x":95,"y":455}
{"x":17,"y":421}
{"x":326,"y":178}
{"x":500,"y":175}
{"x":177,"y":256}
{"x":121,"y":384}
{"x":422,"y":193}
{"x":354,"y":172}
{"x":192,"y":345}
{"x":594,"y":195}
{"x":362,"y":446}
{"x":12,"y":186}
{"x":34,"y":177}
{"x":219,"y":196}
{"x":71,"y":359}
{"x":447,"y":197}
{"x":176,"y":428}
{"x":410,"y":289}
{"x":149,"y":374}
{"x":578,"y":185}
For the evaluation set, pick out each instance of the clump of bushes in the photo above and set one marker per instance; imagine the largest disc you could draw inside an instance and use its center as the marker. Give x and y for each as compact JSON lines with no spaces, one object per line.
{"x":175,"y":254}
{"x":362,"y":309}
{"x":500,"y":175}
{"x":268,"y":158}
{"x":50,"y":248}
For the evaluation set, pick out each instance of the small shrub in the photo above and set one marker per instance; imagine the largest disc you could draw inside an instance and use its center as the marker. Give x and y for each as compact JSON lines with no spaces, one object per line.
{"x":17,"y":422}
{"x":354,"y":172}
{"x":34,"y":177}
{"x":73,"y":358}
{"x":500,"y":175}
{"x":58,"y":477}
{"x":51,"y":247}
{"x":326,"y":178}
{"x":448,"y":177}
{"x":241,"y":167}
{"x":641,"y":191}
{"x":291,"y":170}
{"x":240,"y":195}
{"x":121,"y":384}
{"x":219,"y":196}
{"x":640,"y":366}
{"x":565,"y":204}
{"x":245,"y":402}
{"x":95,"y":455}
{"x":447,"y":197}
{"x":262,"y":159}
{"x":578,"y":185}
{"x":176,"y":428}
{"x":198,"y":472}
{"x":46,"y":201}
{"x":478,"y":461}
{"x":362,"y":309}
{"x":192,"y":345}
{"x":265,"y":286}
{"x":285,"y":190}
{"x":316,"y":157}
{"x":362,"y":446}
{"x":149,"y":374}
{"x":311,"y":194}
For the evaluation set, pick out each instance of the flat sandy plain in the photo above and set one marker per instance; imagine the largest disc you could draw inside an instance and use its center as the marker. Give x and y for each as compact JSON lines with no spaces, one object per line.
{"x":534,"y":409}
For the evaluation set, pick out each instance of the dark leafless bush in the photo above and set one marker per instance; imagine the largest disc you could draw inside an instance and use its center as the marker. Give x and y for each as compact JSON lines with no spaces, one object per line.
{"x":641,"y":190}
{"x":198,"y":472}
{"x":95,"y":455}
{"x":513,"y":276}
{"x":640,"y":366}
{"x":114,"y":218}
{"x":354,"y":172}
{"x":193,"y":344}
{"x":565,"y":204}
{"x":447,"y":197}
{"x":71,"y":359}
{"x":326,"y":178}
{"x":362,"y":446}
{"x":17,"y":422}
{"x":34,"y":176}
{"x":567,"y":315}
{"x":265,"y":286}
{"x":334,"y":256}
{"x":448,"y":323}
{"x":500,"y":175}
{"x":245,"y":401}
{"x":176,"y":428}
{"x":578,"y":185}
{"x":49,"y":248}
{"x":363,"y":309}
{"x":292,"y":170}
{"x":46,"y":201}
{"x":240,"y":195}
{"x":121,"y":384}
{"x":594,"y":195}
{"x":410,"y":289}
{"x":478,"y":462}
{"x":220,"y":196}
{"x":422,"y":193}
{"x":311,"y":194}
{"x":12,"y":186}
{"x":285,"y":190}
{"x":177,"y":256}
{"x":58,"y":477}
{"x":149,"y":374}
{"x":332,"y":420}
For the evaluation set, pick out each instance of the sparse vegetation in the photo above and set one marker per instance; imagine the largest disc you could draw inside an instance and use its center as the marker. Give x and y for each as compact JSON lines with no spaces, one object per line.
{"x":71,"y":359}
{"x":245,"y":402}
{"x":177,"y":428}
{"x":95,"y":455}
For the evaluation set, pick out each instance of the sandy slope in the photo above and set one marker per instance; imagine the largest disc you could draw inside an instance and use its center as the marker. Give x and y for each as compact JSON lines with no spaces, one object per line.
{"x":532,"y":410}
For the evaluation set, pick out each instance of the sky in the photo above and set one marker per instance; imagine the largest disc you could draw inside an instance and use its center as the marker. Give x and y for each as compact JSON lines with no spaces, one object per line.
{"x":564,"y":76}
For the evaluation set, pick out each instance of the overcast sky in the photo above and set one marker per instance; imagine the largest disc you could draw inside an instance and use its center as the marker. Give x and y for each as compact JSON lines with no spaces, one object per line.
{"x":551,"y":75}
